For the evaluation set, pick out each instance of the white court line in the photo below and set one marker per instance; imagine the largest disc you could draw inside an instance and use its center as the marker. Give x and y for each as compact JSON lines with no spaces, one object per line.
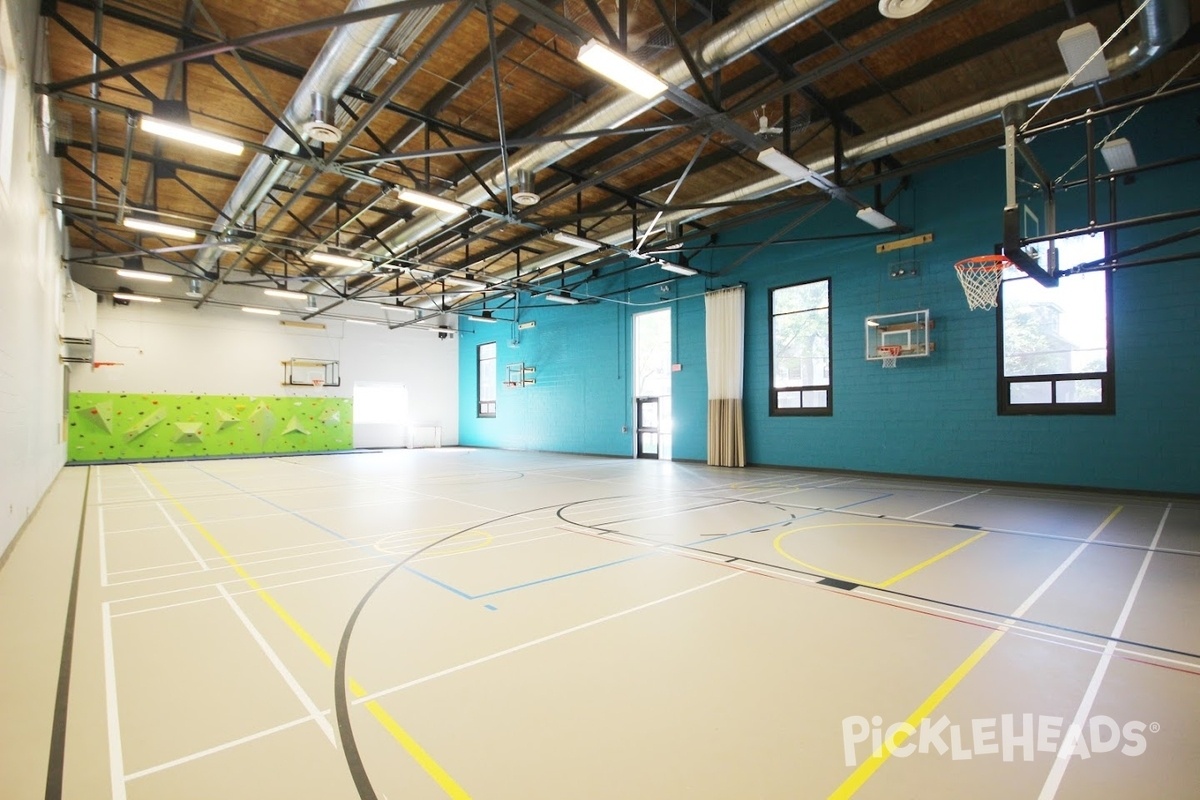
{"x":540,"y":640}
{"x":943,"y":505}
{"x":103,"y":546}
{"x":301,"y":581}
{"x":314,"y":713}
{"x":149,"y":492}
{"x":414,"y":543}
{"x":116,"y":760}
{"x":99,"y":487}
{"x":199,"y":560}
{"x":1071,"y":738}
{"x":213,"y":750}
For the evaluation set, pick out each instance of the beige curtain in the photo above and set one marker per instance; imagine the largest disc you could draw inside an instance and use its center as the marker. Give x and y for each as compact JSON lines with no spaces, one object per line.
{"x":724,"y":325}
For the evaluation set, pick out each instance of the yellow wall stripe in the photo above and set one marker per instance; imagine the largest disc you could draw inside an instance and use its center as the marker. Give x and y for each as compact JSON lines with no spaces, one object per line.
{"x":403,"y":737}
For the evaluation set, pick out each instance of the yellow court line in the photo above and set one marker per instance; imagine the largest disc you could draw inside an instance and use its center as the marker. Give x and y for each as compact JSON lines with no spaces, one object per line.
{"x":868,"y":768}
{"x":871,"y":584}
{"x":403,"y":737}
{"x":948,"y":551}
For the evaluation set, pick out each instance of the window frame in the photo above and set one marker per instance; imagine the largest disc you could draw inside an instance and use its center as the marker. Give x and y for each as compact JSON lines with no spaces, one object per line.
{"x":1108,"y":378}
{"x":773,"y":392}
{"x":486,"y":409}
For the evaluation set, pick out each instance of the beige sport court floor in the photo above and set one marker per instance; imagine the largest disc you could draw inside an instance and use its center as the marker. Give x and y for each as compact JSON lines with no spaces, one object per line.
{"x":475,"y":623}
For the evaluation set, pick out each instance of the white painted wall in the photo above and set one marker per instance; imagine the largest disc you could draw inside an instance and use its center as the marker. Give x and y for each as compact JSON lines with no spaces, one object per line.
{"x":174,"y":348}
{"x":31,"y":394}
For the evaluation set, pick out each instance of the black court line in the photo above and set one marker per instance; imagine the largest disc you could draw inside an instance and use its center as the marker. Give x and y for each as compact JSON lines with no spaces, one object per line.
{"x":58,"y":735}
{"x":1141,"y":548}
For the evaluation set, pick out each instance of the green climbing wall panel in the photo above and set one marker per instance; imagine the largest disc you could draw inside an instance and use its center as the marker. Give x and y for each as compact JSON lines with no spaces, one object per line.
{"x":131,"y":427}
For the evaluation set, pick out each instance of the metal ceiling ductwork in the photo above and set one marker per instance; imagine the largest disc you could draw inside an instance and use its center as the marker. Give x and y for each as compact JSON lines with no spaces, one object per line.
{"x":349,"y":50}
{"x":726,"y":42}
{"x":1162,"y":24}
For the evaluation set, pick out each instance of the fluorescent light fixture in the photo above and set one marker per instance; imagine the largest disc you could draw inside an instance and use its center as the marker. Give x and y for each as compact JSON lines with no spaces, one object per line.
{"x":140,"y":298}
{"x":284,"y":294}
{"x":613,"y":66}
{"x":577,"y":241}
{"x":876,"y":219}
{"x":785,"y":166}
{"x":432,"y":201}
{"x":161,"y":228}
{"x":1077,"y":45}
{"x":872,"y":323}
{"x":295,"y":323}
{"x":524,"y":326}
{"x":466,"y":283}
{"x":142,"y":275}
{"x":480,"y":318}
{"x":1118,"y":154}
{"x":565,"y":299}
{"x":270,"y":312}
{"x":361,"y":322}
{"x":677,"y":268}
{"x":335,"y":260}
{"x":190,"y":135}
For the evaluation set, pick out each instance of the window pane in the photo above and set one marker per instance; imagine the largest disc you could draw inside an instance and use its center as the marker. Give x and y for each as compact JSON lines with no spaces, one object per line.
{"x":800,"y":343}
{"x":1087,"y":391}
{"x":1029,"y":393}
{"x":816,"y":398}
{"x":800,"y":298}
{"x":1056,"y":331}
{"x":790,"y":399}
{"x":486,"y":378}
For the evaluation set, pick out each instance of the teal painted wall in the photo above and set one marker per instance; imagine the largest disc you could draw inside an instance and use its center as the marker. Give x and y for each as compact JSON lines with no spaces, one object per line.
{"x":934,"y":416}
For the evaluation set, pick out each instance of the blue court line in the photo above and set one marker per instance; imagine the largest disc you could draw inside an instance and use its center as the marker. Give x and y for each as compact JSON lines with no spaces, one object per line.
{"x":860,"y":502}
{"x":564,"y":575}
{"x":360,"y":545}
{"x":526,"y":585}
{"x":442,"y":584}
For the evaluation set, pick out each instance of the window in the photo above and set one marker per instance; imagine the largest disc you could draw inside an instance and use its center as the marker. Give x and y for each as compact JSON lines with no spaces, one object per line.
{"x":1056,"y":354}
{"x":380,"y":404}
{"x":800,"y":350}
{"x":486,"y":358}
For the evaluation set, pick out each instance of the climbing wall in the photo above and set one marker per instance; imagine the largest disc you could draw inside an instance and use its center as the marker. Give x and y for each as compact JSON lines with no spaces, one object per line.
{"x":132,"y":427}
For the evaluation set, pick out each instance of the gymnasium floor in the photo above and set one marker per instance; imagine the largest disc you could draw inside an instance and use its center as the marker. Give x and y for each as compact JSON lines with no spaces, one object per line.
{"x":529,"y":625}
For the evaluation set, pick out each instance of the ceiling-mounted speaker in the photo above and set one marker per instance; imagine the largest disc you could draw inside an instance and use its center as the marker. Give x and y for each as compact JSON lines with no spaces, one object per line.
{"x":321,"y":128}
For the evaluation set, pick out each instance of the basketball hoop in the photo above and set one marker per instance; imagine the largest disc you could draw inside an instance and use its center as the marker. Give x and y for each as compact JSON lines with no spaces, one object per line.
{"x":318,"y":383}
{"x":890,"y":353}
{"x":980,"y":279}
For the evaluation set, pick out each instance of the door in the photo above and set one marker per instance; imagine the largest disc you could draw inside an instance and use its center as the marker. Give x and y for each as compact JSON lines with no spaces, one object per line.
{"x":647,"y":427}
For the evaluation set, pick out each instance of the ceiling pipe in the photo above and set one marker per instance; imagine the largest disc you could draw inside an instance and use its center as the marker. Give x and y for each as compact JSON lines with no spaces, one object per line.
{"x":346,"y":52}
{"x":1162,"y":24}
{"x":723,"y":44}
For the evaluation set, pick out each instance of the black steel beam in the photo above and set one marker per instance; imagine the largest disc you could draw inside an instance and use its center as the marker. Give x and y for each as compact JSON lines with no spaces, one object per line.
{"x":249,"y":40}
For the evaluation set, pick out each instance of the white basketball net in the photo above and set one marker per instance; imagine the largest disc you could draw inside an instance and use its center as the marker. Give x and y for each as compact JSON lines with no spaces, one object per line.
{"x":980,"y":279}
{"x":890,"y":353}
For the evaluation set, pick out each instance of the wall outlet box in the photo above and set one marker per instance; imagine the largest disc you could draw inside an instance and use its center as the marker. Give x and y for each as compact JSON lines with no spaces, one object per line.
{"x":677,"y":368}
